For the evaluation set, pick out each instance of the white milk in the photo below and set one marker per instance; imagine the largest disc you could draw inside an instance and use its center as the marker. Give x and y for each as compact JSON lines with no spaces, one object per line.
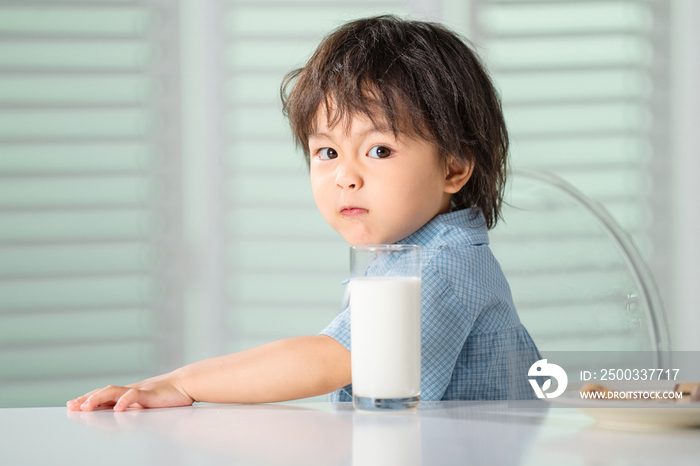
{"x":385,"y":332}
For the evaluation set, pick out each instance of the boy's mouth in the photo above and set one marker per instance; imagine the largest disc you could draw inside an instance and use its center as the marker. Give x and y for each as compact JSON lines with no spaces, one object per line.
{"x":352,"y":211}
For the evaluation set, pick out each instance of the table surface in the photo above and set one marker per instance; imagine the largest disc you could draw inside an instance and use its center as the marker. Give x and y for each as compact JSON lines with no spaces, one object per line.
{"x":446,"y":433}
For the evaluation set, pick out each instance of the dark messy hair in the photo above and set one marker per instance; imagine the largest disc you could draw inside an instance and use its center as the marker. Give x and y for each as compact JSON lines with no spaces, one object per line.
{"x":418,"y":78}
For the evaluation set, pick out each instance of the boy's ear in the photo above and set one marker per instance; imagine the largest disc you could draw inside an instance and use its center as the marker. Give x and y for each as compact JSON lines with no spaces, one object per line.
{"x":457,"y":173}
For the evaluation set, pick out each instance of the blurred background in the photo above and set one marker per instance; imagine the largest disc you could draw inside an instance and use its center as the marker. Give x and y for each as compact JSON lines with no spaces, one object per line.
{"x":154,"y":211}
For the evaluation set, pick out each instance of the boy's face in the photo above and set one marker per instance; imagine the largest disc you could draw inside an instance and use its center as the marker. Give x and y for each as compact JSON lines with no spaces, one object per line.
{"x":373,"y":188}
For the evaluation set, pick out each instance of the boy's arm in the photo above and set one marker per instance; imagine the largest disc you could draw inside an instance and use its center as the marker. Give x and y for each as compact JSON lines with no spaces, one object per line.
{"x":282,"y":370}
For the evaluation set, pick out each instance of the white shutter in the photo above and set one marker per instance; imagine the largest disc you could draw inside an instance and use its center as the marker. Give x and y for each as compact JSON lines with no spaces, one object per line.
{"x":90,"y":229}
{"x":584,"y":91}
{"x":583,"y":85}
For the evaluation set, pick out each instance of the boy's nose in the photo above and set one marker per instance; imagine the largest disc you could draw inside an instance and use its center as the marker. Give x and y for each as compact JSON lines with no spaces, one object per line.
{"x":348,"y":177}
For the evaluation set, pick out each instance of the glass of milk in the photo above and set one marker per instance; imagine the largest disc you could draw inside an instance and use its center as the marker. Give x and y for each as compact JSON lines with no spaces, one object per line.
{"x":385,"y":326}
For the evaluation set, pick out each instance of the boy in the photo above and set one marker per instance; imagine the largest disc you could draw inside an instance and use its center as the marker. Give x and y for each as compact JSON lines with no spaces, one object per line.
{"x":405,"y":141}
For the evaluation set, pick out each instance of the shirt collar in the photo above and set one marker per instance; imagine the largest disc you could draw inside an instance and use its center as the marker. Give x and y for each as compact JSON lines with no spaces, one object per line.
{"x":465,"y":226}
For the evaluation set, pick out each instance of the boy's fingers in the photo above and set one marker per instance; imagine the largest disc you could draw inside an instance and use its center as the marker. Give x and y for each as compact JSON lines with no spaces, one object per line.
{"x":133,"y":396}
{"x":108,"y":395}
{"x":75,"y":403}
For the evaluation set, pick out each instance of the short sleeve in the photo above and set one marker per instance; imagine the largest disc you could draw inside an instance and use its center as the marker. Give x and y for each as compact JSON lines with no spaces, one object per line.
{"x":445,"y":326}
{"x":339,"y":328}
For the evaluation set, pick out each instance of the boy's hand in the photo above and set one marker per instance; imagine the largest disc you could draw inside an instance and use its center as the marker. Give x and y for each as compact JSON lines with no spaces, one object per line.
{"x":158,"y":392}
{"x":283,"y":370}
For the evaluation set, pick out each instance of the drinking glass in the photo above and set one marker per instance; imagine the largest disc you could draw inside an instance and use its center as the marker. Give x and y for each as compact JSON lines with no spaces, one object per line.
{"x":385,"y":289}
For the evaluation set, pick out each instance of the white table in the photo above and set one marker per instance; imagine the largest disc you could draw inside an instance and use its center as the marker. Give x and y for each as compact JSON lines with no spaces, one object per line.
{"x":447,"y":433}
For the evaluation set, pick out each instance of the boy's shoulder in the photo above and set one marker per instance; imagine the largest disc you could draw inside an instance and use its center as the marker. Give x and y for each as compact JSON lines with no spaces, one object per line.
{"x":456,"y":254}
{"x":468,"y":273}
{"x":463,"y":265}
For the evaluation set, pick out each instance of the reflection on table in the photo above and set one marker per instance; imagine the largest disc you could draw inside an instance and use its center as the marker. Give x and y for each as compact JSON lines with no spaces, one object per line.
{"x":447,"y":433}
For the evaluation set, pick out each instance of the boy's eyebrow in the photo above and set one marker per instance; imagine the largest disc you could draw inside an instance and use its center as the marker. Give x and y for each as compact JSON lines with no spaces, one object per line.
{"x":377,"y":129}
{"x":317,"y":134}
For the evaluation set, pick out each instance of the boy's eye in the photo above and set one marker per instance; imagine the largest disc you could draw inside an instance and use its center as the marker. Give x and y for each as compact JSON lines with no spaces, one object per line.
{"x":327,"y":153}
{"x":379,"y":152}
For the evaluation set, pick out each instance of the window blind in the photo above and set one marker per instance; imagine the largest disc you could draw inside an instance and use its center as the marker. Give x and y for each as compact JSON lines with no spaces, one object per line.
{"x":584,"y":91}
{"x":90,"y":229}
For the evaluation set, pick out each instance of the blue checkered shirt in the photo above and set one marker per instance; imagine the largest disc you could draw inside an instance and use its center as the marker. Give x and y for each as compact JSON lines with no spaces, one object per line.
{"x":469,"y":325}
